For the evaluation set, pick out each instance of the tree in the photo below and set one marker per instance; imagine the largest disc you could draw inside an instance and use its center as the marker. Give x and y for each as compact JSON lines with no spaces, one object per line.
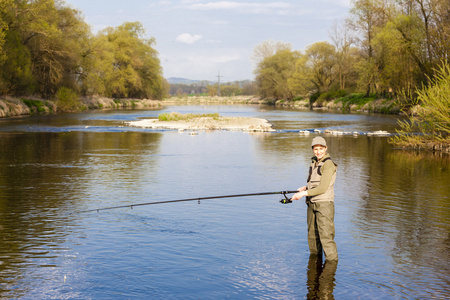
{"x":321,"y":63}
{"x":42,"y":45}
{"x":315,"y":70}
{"x":345,"y":55}
{"x":5,"y":5}
{"x":273,"y":73}
{"x":440,"y":31}
{"x":125,"y":64}
{"x":364,"y":19}
{"x":267,"y":49}
{"x":249,"y":88}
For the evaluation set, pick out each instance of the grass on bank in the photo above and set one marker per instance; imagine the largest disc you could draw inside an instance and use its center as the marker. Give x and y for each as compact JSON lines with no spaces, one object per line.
{"x":175,"y":116}
{"x":35,"y":105}
{"x":342,"y":96}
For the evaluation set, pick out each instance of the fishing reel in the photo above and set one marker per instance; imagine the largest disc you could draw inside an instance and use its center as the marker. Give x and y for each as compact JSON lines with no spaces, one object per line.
{"x":286,"y":200}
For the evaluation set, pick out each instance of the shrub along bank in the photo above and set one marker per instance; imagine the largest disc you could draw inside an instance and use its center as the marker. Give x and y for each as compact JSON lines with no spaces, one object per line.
{"x":345,"y":102}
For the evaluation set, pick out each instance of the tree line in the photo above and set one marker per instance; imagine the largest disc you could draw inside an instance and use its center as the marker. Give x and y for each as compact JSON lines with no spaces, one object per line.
{"x":227,"y":89}
{"x":47,"y":48}
{"x":385,"y":48}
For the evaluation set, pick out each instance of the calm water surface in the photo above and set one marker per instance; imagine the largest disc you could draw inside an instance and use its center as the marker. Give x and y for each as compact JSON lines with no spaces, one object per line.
{"x":392,"y":210}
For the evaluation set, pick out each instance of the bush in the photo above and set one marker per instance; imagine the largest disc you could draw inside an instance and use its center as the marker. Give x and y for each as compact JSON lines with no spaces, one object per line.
{"x":175,"y":116}
{"x":67,"y":100}
{"x":35,"y":105}
{"x":355,"y":99}
{"x":432,"y":121}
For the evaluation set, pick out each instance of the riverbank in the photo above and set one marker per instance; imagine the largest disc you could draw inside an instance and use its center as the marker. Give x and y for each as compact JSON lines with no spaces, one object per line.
{"x":375,"y":106}
{"x":14,"y":107}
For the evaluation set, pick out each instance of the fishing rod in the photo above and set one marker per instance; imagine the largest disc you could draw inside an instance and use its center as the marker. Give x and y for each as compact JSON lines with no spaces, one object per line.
{"x":286,"y":200}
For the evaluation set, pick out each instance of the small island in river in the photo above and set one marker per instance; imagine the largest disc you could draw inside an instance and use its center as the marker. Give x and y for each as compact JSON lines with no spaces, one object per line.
{"x":204,"y":122}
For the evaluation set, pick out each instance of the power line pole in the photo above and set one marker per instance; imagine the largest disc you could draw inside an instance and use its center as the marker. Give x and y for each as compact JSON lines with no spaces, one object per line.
{"x":218,"y":85}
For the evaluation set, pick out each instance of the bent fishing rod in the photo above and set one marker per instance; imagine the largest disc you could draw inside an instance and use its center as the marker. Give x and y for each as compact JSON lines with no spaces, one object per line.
{"x":286,"y":200}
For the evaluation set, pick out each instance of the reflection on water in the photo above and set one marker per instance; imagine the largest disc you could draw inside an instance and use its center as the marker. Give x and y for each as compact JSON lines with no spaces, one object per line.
{"x":392,"y":211}
{"x":321,"y":276}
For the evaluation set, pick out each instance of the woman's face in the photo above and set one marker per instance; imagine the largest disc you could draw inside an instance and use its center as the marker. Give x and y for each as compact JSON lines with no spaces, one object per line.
{"x":319,"y":151}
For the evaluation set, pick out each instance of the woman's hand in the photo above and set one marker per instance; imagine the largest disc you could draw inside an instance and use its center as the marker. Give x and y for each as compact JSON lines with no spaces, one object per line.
{"x":299,"y":195}
{"x":303,"y":188}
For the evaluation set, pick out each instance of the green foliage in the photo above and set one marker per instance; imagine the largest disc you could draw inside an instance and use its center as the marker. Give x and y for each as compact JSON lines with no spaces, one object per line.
{"x":16,"y":77}
{"x":332,"y":95}
{"x":46,"y":45}
{"x":356,"y":98}
{"x":432,"y":119}
{"x":35,"y":105}
{"x":67,"y":100}
{"x":273,"y":73}
{"x":321,"y":98}
{"x":125,"y":64}
{"x":398,"y":45}
{"x":4,"y":7}
{"x":175,"y":116}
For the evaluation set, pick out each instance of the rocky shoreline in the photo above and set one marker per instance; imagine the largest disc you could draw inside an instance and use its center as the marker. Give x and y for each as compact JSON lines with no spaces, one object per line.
{"x":12,"y":107}
{"x":15,"y":107}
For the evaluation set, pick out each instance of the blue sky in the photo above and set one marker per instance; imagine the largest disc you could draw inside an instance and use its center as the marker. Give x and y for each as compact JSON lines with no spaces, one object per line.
{"x":197,"y":39}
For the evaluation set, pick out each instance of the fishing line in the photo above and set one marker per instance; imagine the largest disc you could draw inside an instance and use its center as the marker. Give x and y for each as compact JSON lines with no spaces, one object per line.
{"x":284,"y":201}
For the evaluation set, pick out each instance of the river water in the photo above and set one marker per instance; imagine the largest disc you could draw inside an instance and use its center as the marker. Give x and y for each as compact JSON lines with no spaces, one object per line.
{"x":392,"y":210}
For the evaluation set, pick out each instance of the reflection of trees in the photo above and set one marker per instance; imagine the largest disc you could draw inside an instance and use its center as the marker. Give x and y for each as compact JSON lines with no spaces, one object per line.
{"x":43,"y":178}
{"x":407,"y":202}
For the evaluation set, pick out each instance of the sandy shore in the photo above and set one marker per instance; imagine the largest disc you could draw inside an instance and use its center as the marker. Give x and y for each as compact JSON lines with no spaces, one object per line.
{"x":208,"y":123}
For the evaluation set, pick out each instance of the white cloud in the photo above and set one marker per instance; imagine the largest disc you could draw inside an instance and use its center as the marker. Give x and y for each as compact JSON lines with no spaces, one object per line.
{"x":188,"y":38}
{"x":344,"y":3}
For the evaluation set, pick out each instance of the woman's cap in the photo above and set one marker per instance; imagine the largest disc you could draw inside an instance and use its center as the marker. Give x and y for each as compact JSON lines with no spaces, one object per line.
{"x":318,"y":140}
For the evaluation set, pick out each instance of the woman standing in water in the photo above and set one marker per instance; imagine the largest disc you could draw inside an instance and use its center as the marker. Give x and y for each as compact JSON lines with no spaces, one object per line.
{"x":319,"y":193}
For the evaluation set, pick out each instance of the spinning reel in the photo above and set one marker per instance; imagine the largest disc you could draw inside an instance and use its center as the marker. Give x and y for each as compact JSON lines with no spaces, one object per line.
{"x":286,"y":200}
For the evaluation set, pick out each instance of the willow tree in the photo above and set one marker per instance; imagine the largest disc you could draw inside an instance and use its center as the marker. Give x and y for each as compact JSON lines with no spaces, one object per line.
{"x":125,"y":64}
{"x":273,"y":74}
{"x":43,"y":43}
{"x":316,"y":70}
{"x":4,"y":6}
{"x":15,"y":60}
